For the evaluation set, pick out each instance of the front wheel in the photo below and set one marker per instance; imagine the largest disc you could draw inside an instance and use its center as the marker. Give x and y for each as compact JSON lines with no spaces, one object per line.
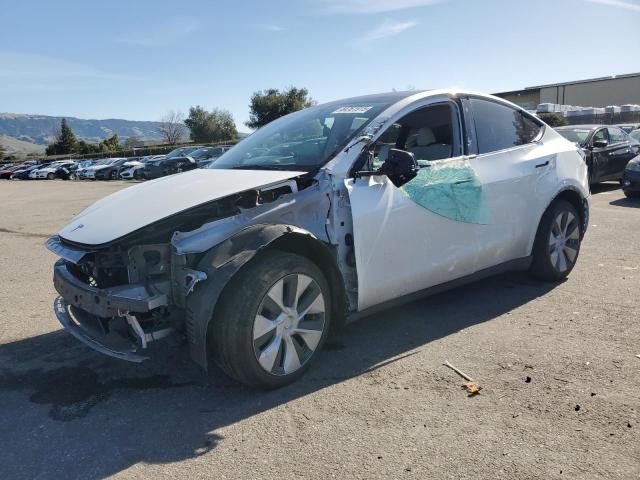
{"x":272,"y":320}
{"x":50,"y":176}
{"x":114,"y":175}
{"x":557,"y":243}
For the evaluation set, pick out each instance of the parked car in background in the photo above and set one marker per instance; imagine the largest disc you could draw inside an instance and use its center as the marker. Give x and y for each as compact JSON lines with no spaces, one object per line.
{"x":607,"y":149}
{"x":105,"y":169}
{"x":180,"y":152}
{"x":167,"y":166}
{"x":135,"y":170}
{"x":59,"y":169}
{"x":631,"y":178}
{"x":8,"y":170}
{"x":23,"y":173}
{"x":629,"y":127}
{"x":322,"y":216}
{"x":212,"y":155}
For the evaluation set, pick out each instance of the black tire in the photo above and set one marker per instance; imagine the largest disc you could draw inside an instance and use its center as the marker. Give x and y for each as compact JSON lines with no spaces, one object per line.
{"x":114,"y":175}
{"x":629,"y":194}
{"x":50,"y":176}
{"x":546,"y":265}
{"x":231,"y":334}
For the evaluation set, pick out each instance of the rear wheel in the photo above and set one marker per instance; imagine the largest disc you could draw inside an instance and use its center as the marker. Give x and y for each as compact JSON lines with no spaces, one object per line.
{"x":50,"y":176}
{"x":557,"y":243}
{"x":114,"y":175}
{"x":272,"y":320}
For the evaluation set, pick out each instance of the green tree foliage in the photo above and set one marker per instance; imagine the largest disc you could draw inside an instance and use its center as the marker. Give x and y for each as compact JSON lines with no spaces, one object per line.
{"x":553,"y":119}
{"x":2,"y":151}
{"x":208,"y":127}
{"x":268,"y":105}
{"x":111,"y":144}
{"x":65,"y":141}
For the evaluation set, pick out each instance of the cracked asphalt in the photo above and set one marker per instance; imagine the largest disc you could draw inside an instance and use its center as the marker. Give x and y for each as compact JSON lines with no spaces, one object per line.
{"x":558,"y":365}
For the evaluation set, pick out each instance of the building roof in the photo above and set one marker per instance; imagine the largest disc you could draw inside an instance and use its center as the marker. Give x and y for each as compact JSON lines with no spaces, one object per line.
{"x":575,"y":82}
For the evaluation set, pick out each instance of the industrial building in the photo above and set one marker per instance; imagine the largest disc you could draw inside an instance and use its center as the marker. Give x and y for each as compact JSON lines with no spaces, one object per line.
{"x":594,"y":92}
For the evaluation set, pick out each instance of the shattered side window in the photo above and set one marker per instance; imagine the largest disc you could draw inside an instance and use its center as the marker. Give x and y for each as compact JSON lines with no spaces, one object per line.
{"x":452,"y":189}
{"x":446,"y":183}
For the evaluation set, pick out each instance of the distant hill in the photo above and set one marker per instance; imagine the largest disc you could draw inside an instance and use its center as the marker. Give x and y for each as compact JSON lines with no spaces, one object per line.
{"x":40,"y":129}
{"x":19,"y":148}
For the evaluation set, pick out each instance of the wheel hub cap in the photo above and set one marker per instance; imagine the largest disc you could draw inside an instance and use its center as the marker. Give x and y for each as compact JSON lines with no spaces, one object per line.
{"x":289,"y":324}
{"x":564,"y":241}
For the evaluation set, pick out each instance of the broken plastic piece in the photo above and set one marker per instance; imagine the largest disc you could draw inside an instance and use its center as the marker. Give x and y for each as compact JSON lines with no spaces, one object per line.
{"x":471,"y":388}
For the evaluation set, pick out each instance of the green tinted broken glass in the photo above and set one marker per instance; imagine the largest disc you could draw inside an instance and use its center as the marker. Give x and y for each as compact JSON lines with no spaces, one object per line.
{"x":452,"y":189}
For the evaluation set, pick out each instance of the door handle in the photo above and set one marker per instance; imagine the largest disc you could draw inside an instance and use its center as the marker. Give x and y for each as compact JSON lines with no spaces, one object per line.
{"x":543,"y":164}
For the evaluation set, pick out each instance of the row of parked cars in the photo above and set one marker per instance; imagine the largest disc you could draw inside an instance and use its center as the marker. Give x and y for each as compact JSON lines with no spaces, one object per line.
{"x":133,"y":168}
{"x":612,"y":152}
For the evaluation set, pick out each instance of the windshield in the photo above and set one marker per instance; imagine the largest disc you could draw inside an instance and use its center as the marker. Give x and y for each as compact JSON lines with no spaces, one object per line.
{"x":201,"y":153}
{"x":104,"y":161}
{"x":575,"y":135}
{"x":635,"y":135}
{"x":179,"y":152}
{"x":303,"y":140}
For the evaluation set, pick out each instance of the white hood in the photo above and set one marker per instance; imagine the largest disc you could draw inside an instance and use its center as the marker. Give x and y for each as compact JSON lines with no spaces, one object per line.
{"x":140,"y":205}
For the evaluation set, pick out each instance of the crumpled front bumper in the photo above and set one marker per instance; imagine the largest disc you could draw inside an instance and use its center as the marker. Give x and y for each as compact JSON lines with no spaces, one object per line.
{"x":84,"y":311}
{"x":77,"y":324}
{"x":107,"y":302}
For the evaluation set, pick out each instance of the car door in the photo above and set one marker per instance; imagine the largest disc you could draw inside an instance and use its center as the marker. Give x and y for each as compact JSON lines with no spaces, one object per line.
{"x":601,"y":161}
{"x":517,"y":173}
{"x":621,"y":151}
{"x":423,"y":233}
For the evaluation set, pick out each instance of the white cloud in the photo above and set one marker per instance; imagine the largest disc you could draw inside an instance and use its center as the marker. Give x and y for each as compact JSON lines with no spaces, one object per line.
{"x":271,"y":28}
{"x":618,"y":3}
{"x":635,"y":7}
{"x":27,"y":67}
{"x":386,"y":29}
{"x":371,"y":6}
{"x":162,"y":35}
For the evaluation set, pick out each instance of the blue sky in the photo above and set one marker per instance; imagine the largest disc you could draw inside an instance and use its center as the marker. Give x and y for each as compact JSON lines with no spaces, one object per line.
{"x":139,"y":59}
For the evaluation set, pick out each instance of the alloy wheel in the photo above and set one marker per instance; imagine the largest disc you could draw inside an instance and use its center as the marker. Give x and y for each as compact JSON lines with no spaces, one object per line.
{"x":564,"y":241}
{"x":289,"y":324}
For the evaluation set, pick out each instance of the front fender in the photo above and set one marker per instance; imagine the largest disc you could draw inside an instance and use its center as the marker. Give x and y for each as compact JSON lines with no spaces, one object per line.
{"x":220,"y":264}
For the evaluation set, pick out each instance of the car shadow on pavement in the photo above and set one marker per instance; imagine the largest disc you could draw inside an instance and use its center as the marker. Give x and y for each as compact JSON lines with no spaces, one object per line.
{"x":604,"y":187}
{"x":69,"y":412}
{"x":633,"y":202}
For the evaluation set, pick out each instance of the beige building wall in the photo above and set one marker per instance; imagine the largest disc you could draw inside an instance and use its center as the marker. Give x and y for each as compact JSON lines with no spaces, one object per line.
{"x":613,"y":91}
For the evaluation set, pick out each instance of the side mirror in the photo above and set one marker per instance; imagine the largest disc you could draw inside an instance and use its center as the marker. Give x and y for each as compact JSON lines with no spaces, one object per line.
{"x":399,"y":163}
{"x":400,"y":167}
{"x":600,"y":144}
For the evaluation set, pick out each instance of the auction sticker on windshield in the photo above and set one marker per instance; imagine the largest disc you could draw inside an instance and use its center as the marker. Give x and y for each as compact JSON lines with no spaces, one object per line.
{"x":352,"y":110}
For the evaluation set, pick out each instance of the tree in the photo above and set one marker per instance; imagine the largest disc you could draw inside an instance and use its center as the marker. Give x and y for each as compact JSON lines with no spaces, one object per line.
{"x":65,"y":141}
{"x":214,"y":126}
{"x":111,"y":144}
{"x":268,"y":105}
{"x":84,"y":148}
{"x":172,"y":128}
{"x":553,"y":119}
{"x":132,"y":142}
{"x":2,"y":151}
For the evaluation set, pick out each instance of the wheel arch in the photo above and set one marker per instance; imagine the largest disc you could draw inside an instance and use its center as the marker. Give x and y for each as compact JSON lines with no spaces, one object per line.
{"x":577,"y":200}
{"x":228,"y":258}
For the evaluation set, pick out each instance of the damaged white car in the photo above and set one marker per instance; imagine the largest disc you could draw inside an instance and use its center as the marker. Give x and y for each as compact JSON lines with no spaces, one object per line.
{"x":321,"y":217}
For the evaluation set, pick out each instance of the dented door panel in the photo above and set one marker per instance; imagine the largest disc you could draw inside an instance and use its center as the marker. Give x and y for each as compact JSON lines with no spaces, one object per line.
{"x":402,"y":247}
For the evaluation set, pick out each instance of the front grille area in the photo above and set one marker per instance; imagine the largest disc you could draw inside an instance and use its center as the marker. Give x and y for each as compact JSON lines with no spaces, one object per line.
{"x":102,"y":269}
